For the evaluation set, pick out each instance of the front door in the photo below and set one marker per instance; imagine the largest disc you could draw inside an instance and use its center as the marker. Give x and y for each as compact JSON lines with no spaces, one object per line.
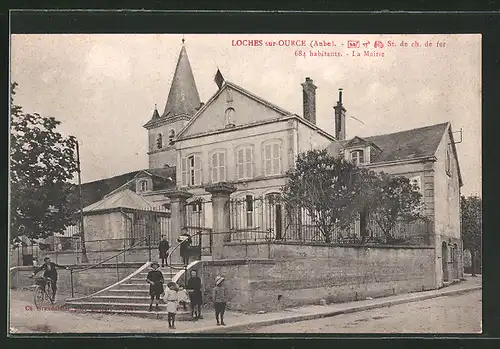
{"x":444,"y":258}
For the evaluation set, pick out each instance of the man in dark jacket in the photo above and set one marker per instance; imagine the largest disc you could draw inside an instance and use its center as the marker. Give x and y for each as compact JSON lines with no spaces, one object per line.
{"x":186,"y":241}
{"x":49,"y":271}
{"x":163,"y":247}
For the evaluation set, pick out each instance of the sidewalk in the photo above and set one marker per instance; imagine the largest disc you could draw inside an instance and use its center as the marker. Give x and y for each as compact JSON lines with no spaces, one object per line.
{"x":236,"y":323}
{"x":23,"y":321}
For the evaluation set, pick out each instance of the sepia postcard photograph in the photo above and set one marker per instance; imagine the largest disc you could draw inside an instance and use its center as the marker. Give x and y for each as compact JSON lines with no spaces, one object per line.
{"x":245,"y":183}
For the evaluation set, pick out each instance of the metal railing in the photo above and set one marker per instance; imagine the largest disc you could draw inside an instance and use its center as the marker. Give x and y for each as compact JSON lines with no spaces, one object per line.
{"x":72,"y":270}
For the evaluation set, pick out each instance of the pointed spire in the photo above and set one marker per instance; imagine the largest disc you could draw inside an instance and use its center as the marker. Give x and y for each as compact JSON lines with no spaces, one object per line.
{"x":156,"y":115}
{"x":183,"y":97}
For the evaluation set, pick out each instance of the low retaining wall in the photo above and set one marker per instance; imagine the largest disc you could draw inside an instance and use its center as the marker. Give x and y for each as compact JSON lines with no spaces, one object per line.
{"x":84,"y":282}
{"x":298,"y":274}
{"x":137,"y":255}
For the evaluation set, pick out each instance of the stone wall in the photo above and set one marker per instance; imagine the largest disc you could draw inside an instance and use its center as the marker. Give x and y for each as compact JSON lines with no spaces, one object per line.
{"x":137,"y":255}
{"x":84,"y":282}
{"x":299,"y":274}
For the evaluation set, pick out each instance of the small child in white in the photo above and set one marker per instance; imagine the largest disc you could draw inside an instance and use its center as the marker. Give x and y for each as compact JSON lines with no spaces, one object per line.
{"x":183,"y":297}
{"x":171,"y":300}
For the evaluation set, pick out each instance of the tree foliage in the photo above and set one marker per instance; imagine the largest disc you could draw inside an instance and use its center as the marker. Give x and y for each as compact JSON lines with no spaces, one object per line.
{"x":394,"y":199}
{"x":471,"y":219}
{"x":334,"y":192}
{"x":324,"y":187}
{"x":42,"y":162}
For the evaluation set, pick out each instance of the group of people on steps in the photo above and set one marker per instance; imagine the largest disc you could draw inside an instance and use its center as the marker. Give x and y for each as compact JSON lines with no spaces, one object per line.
{"x":179,"y":296}
{"x":176,"y":296}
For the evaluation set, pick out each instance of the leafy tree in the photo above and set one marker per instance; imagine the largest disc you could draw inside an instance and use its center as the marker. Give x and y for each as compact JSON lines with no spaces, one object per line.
{"x":42,"y":162}
{"x":324,"y":186}
{"x":393,"y":199}
{"x":471,"y":216}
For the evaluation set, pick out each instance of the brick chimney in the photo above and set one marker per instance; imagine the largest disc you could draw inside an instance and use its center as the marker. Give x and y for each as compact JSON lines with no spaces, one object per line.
{"x":309,"y":100}
{"x":340,"y":118}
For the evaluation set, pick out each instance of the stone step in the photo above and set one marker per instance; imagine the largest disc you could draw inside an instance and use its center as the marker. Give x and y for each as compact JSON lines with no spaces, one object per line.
{"x":127,"y":292}
{"x":121,"y":299}
{"x":114,"y":306}
{"x":181,"y":316}
{"x":129,"y":286}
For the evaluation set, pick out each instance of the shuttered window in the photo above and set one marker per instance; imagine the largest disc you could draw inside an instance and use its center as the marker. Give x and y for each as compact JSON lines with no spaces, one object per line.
{"x":218,"y":167}
{"x":244,"y":163}
{"x":272,"y":159}
{"x":191,"y":170}
{"x":417,"y":181}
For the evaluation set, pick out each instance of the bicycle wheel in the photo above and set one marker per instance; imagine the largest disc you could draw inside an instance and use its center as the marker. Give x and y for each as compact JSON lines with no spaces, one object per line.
{"x":48,"y":294}
{"x":39,"y":296}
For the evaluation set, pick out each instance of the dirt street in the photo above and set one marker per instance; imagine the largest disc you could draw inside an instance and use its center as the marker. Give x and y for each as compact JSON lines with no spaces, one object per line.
{"x":451,"y":314}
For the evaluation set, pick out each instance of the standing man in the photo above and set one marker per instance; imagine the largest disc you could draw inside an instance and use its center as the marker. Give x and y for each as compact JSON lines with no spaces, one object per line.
{"x":185,"y":241}
{"x":163,"y":247}
{"x":194,"y":289}
{"x":50,"y":272}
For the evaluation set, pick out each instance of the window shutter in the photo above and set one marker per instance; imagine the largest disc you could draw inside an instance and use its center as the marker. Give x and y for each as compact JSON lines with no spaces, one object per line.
{"x":222,"y":167}
{"x":213,"y":172}
{"x":184,"y":173}
{"x":249,"y":162}
{"x":276,"y":158}
{"x":197,"y":170}
{"x":239,"y":163}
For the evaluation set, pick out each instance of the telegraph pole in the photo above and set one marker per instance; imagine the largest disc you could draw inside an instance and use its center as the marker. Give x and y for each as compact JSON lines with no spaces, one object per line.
{"x":82,"y":231}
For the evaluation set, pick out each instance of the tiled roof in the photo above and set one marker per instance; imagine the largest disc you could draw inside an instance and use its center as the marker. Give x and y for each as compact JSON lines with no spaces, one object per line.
{"x":183,"y":97}
{"x":121,"y":199}
{"x":416,"y":143}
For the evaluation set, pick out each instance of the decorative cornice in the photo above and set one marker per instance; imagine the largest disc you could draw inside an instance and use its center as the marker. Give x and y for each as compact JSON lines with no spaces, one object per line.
{"x":221,"y":188}
{"x":153,"y":123}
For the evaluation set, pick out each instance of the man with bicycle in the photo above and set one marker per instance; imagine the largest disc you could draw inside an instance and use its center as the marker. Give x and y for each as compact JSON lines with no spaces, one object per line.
{"x":49,"y":273}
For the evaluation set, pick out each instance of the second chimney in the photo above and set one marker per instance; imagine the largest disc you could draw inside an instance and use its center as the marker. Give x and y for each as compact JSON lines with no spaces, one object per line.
{"x":309,"y":100}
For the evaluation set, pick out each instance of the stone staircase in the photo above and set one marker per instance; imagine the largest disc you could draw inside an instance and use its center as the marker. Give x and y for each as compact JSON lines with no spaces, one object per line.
{"x":129,"y":297}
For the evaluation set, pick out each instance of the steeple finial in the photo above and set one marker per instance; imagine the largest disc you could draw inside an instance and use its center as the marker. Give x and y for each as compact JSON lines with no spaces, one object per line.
{"x":183,"y":39}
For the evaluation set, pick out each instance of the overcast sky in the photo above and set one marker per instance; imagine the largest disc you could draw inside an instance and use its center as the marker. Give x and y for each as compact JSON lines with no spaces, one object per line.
{"x":104,"y":87}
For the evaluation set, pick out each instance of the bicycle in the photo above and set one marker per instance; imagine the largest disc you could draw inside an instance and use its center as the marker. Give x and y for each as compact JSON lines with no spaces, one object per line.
{"x":42,"y":294}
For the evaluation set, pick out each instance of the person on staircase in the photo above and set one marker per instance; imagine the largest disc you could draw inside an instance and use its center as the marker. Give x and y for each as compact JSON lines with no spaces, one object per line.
{"x":185,"y":241}
{"x":220,"y":297}
{"x":171,"y":300}
{"x":155,"y":280}
{"x":194,"y":289}
{"x":163,"y":247}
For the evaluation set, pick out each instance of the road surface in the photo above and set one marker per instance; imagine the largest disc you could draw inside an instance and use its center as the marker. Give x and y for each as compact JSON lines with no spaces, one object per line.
{"x":449,"y":314}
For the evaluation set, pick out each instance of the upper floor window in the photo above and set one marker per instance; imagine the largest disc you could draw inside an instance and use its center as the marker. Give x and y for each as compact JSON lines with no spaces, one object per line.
{"x":159,"y":141}
{"x":143,"y":186}
{"x":357,"y":156}
{"x":191,"y":170}
{"x":171,"y":136}
{"x":244,"y":162}
{"x":415,"y":181}
{"x":229,"y":116}
{"x":218,"y":167}
{"x":272,"y":159}
{"x":448,"y":161}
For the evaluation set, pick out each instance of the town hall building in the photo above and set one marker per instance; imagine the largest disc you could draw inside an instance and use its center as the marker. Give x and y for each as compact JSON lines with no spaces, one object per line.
{"x":240,"y":138}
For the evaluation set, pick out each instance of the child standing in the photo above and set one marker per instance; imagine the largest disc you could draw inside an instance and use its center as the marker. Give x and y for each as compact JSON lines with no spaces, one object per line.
{"x":171,"y":300}
{"x":155,"y":281}
{"x":183,"y":297}
{"x":220,"y":297}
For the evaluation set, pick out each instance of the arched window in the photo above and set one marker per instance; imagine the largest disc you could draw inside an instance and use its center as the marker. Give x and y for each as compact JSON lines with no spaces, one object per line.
{"x":229,"y":116}
{"x":171,"y":136}
{"x":159,"y":141}
{"x":357,"y":156}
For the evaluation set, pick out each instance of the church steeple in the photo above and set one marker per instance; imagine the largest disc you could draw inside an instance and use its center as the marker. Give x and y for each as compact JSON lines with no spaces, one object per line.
{"x":183,"y":98}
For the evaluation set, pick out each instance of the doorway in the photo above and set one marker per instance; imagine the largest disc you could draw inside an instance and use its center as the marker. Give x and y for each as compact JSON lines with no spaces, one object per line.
{"x":444,"y":258}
